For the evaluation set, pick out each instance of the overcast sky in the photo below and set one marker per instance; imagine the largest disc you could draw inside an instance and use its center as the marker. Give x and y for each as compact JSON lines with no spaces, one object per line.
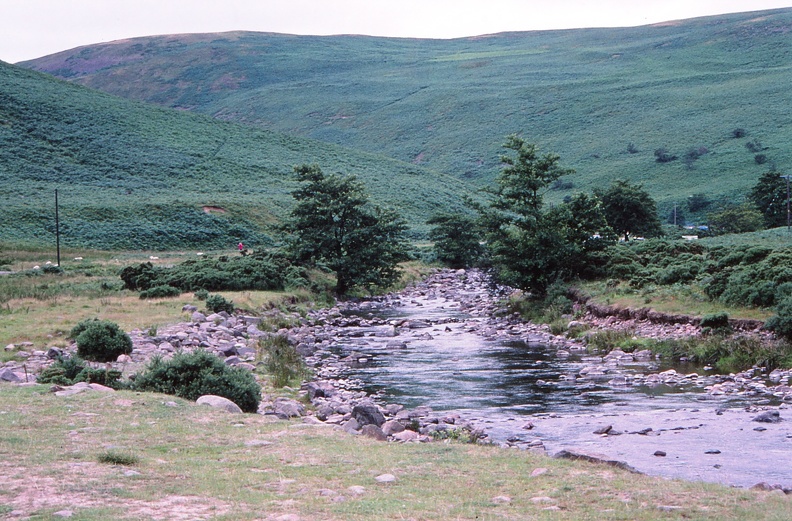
{"x":34,"y":28}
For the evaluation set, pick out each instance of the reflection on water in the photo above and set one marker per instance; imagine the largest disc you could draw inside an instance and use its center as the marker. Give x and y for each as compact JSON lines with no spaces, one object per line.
{"x":450,"y":368}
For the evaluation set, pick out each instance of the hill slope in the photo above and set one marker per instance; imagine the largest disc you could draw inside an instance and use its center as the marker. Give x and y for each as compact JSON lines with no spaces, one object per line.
{"x":133,"y":175}
{"x":589,"y":95}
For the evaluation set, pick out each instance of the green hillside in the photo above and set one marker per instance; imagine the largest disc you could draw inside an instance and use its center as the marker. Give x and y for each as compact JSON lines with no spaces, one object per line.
{"x":133,"y":175}
{"x":589,"y":95}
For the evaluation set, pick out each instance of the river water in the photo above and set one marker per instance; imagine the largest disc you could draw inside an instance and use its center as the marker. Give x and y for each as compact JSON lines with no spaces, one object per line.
{"x":521,"y":392}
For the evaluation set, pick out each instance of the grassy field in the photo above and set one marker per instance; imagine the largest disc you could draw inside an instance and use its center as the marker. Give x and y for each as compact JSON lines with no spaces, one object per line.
{"x":604,"y":99}
{"x":42,"y":308}
{"x":144,"y":456}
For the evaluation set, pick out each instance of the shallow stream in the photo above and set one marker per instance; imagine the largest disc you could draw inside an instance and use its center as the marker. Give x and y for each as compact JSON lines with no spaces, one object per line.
{"x":521,"y":391}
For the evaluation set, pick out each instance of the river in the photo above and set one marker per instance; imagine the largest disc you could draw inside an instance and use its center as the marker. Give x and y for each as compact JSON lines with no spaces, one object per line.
{"x":522,"y":392}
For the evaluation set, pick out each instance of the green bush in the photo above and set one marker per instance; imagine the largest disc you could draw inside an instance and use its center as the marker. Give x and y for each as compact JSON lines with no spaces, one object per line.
{"x":201,"y":294}
{"x":717,"y":323}
{"x":217,"y":303}
{"x":100,"y":340}
{"x":162,"y":291}
{"x":192,"y":375}
{"x":281,"y":360}
{"x":68,"y":371}
{"x":781,"y":322}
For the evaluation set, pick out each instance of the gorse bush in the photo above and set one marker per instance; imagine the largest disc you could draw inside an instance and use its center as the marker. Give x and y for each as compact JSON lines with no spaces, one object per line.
{"x":218,"y":303}
{"x":162,"y":291}
{"x":251,"y":272}
{"x":100,"y":340}
{"x":192,"y":375}
{"x":68,"y":371}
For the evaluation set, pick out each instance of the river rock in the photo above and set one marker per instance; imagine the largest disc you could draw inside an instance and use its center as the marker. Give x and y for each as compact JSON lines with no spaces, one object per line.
{"x":768,"y":417}
{"x":372,"y":431}
{"x":367,"y":413}
{"x":593,"y":458}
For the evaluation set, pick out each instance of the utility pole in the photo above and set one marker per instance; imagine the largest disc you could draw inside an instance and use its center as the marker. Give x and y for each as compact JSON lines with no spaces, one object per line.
{"x":788,"y":210}
{"x":57,"y":226}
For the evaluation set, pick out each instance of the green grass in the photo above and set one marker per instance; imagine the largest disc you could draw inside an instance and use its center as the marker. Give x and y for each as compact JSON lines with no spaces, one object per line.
{"x":136,"y":176}
{"x":448,"y":104}
{"x":206,"y":464}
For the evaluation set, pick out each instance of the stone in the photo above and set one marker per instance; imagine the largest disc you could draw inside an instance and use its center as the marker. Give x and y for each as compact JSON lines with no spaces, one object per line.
{"x":372,"y":431}
{"x":385,"y":478}
{"x":54,"y":353}
{"x":63,"y":513}
{"x":501,"y":500}
{"x":712,"y":451}
{"x":285,"y":408}
{"x":7,"y":375}
{"x":593,"y":458}
{"x":101,"y":388}
{"x":357,"y":490}
{"x":198,"y":317}
{"x":768,"y":417}
{"x":392,"y":427}
{"x":367,"y":413}
{"x":660,"y":453}
{"x":219,"y":402}
{"x":604,"y":430}
{"x":539,"y":472}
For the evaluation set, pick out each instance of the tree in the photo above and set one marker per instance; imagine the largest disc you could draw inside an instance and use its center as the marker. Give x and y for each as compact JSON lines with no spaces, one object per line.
{"x":735,"y":219}
{"x":531,"y":248}
{"x":457,"y":241}
{"x":769,"y":195}
{"x":333,"y":225}
{"x":630,"y":210}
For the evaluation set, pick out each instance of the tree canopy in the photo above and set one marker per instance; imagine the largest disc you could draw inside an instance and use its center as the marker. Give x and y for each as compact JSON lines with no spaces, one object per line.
{"x":770,"y":197}
{"x":333,"y":225}
{"x":532,"y":248}
{"x":630,"y":210}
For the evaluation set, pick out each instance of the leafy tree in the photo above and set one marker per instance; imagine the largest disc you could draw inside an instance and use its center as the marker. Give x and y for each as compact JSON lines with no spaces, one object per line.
{"x":525,"y":178}
{"x":457,"y":241}
{"x":334,"y":225}
{"x":735,"y":219}
{"x":770,"y":197}
{"x":531,"y":248}
{"x":630,"y":210}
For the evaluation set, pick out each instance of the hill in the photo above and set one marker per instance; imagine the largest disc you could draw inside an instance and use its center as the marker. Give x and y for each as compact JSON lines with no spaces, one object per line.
{"x":137,"y":176}
{"x":604,"y":99}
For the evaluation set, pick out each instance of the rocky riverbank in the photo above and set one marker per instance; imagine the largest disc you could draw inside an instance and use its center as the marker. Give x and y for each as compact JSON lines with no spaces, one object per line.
{"x":455,"y":303}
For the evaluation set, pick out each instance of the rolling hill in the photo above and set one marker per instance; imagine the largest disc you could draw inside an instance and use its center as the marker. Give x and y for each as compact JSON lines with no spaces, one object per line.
{"x":604,"y":99}
{"x":136,"y":176}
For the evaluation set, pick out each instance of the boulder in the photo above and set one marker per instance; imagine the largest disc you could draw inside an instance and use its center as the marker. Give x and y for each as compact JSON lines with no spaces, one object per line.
{"x":367,"y":413}
{"x":219,"y":402}
{"x":768,"y":417}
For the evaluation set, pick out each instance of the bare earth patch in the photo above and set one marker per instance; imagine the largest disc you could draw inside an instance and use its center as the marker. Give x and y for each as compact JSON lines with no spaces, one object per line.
{"x":84,"y":485}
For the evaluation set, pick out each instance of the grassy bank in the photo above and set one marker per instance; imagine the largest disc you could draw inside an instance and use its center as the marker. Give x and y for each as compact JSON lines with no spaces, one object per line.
{"x":135,"y":456}
{"x":41,"y":307}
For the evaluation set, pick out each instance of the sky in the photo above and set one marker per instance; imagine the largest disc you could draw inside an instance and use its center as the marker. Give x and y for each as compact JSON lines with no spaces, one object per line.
{"x":34,"y":28}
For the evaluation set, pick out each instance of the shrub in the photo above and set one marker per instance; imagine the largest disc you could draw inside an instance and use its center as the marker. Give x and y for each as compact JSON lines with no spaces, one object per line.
{"x":281,"y":360}
{"x":716,"y":323}
{"x":738,"y":133}
{"x":664,"y":156}
{"x":781,"y":322}
{"x":201,"y":294}
{"x":100,"y":340}
{"x":68,"y":371}
{"x":192,"y":375}
{"x":760,"y":159}
{"x":216,"y":304}
{"x":162,"y":291}
{"x":755,"y":146}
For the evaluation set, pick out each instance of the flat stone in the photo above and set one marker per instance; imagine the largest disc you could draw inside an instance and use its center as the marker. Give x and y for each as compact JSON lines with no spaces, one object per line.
{"x":385,"y":478}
